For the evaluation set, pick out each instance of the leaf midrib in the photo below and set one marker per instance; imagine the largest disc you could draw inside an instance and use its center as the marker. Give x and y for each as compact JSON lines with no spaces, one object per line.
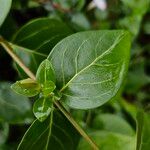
{"x":99,"y":57}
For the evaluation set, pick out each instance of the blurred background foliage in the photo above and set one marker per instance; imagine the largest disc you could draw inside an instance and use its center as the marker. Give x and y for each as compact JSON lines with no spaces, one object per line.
{"x":81,"y":15}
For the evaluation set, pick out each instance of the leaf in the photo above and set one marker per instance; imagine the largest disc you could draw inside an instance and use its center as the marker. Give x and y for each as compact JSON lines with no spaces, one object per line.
{"x":63,"y":136}
{"x":128,"y":107}
{"x":14,"y":108}
{"x":80,"y":22}
{"x":131,"y":23}
{"x":133,"y":20}
{"x":143,"y":131}
{"x":90,"y":66}
{"x":113,"y":123}
{"x":138,"y":7}
{"x":80,"y":4}
{"x":4,"y":9}
{"x":137,"y":77}
{"x":45,"y":72}
{"x":36,"y":39}
{"x":42,"y":108}
{"x":48,"y":87}
{"x":46,"y":77}
{"x":109,"y":141}
{"x":27,"y":87}
{"x":4,"y":130}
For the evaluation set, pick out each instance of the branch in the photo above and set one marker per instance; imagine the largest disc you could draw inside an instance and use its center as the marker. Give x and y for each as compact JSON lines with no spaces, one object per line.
{"x":9,"y":50}
{"x":74,"y":123}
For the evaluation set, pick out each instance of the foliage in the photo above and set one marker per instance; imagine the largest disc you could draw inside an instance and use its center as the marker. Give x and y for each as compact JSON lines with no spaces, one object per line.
{"x":78,"y":84}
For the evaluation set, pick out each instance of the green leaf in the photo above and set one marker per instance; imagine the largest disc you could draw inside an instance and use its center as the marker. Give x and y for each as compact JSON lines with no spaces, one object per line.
{"x":109,"y":141}
{"x":42,"y":108}
{"x":46,"y":77}
{"x":80,"y":4}
{"x":90,"y":66}
{"x":4,"y":130}
{"x":133,"y":20}
{"x":62,"y":135}
{"x":137,"y":77}
{"x":14,"y":108}
{"x":143,"y":131}
{"x":113,"y":123}
{"x":27,"y":87}
{"x":4,"y":9}
{"x":80,"y":22}
{"x":138,"y":7}
{"x":36,"y":39}
{"x":131,"y":23}
{"x":129,"y":108}
{"x":48,"y":87}
{"x":45,"y":72}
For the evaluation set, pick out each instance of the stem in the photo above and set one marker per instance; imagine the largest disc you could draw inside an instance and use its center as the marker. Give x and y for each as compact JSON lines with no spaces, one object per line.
{"x":9,"y":50}
{"x":88,"y":119}
{"x":74,"y":123}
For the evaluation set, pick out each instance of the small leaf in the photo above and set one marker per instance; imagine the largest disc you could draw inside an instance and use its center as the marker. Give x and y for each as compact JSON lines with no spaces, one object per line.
{"x":45,"y":72}
{"x":90,"y":66}
{"x":4,"y":9}
{"x":48,"y":87}
{"x":27,"y":87}
{"x":61,"y":135}
{"x":42,"y":108}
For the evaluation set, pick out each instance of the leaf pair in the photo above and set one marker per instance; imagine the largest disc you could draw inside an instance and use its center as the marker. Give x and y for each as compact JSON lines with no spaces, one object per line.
{"x":44,"y":86}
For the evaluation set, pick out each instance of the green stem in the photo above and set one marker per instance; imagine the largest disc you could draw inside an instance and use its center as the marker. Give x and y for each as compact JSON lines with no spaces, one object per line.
{"x":9,"y":50}
{"x":74,"y":123}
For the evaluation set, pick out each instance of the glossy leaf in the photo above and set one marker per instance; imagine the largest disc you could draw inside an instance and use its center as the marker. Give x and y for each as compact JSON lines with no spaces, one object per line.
{"x":62,"y":137}
{"x":36,"y":39}
{"x":42,"y":108}
{"x":46,"y":77}
{"x":4,"y":9}
{"x":48,"y":87}
{"x":143,"y":131}
{"x":27,"y":87}
{"x":45,"y":72}
{"x":14,"y":108}
{"x":109,"y":141}
{"x":90,"y":66}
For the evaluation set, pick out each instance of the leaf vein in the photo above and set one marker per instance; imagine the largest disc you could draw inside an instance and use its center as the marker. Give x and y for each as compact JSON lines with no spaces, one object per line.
{"x":94,"y":83}
{"x":103,"y":54}
{"x":98,"y":96}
